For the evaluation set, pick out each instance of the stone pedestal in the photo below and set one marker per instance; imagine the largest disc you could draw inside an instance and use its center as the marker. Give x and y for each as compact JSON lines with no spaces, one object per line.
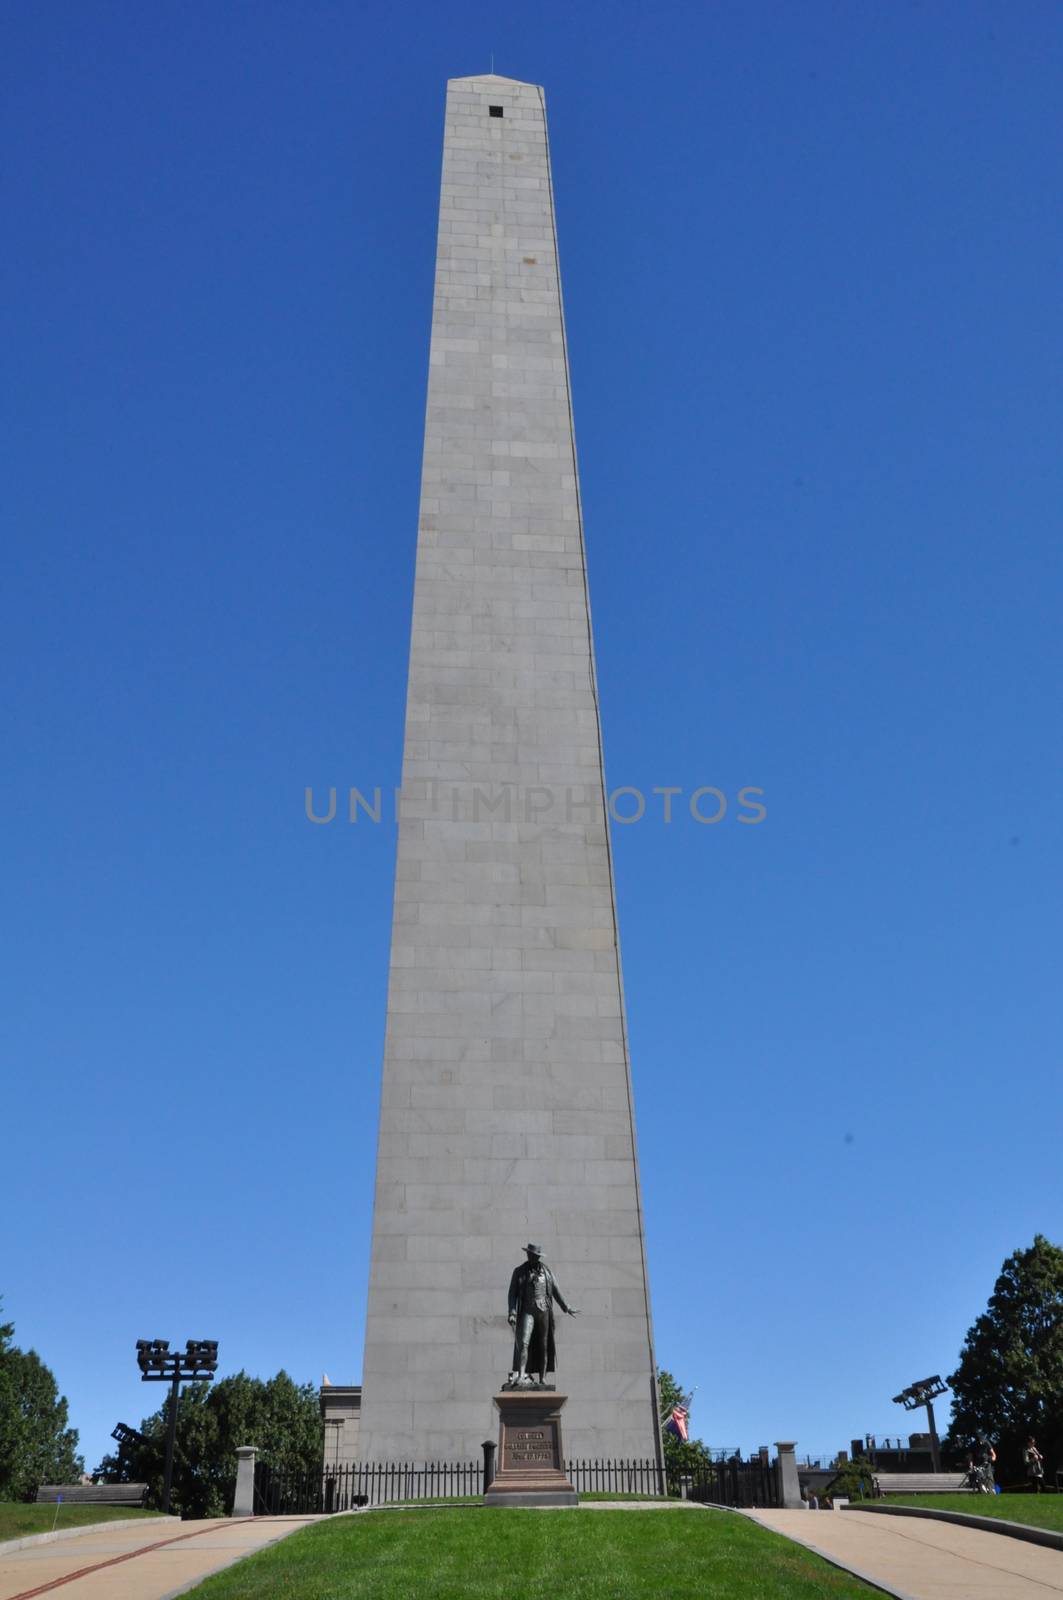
{"x":789,"y":1483}
{"x":530,"y":1457}
{"x":244,"y":1498}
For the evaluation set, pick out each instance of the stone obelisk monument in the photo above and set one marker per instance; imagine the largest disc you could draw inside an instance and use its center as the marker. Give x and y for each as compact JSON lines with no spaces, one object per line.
{"x":506,"y":1111}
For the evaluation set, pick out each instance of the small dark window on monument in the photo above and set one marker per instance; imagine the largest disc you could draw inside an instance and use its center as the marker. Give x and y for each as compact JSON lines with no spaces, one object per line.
{"x":496,"y":111}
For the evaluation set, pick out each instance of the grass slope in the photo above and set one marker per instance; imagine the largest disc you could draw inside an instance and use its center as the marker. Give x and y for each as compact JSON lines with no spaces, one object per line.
{"x":17,"y":1520}
{"x":493,"y":1554}
{"x":1039,"y":1510}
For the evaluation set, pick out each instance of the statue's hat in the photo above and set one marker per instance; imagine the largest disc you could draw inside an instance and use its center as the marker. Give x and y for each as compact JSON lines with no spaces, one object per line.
{"x":533,"y":1249}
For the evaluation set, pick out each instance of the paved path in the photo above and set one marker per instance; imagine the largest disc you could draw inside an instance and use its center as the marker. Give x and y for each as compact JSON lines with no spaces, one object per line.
{"x":138,"y":1559}
{"x":923,"y":1560}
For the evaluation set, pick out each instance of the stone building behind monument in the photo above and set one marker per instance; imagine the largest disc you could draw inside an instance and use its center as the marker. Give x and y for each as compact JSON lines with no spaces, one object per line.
{"x":506,"y":1109}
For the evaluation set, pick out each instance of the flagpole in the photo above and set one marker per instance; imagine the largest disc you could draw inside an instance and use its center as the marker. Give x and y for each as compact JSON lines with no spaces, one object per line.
{"x":684,"y":1406}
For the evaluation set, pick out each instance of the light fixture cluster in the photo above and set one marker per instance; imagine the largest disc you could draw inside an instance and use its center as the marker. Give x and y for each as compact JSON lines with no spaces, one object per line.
{"x":158,"y":1363}
{"x":921,"y":1393}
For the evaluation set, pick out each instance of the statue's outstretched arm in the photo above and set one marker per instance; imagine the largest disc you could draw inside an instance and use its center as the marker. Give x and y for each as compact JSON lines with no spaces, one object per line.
{"x":559,"y":1297}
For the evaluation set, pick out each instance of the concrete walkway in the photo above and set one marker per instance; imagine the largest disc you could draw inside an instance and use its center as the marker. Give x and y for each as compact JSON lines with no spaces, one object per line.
{"x":138,"y":1559}
{"x":921,"y":1560}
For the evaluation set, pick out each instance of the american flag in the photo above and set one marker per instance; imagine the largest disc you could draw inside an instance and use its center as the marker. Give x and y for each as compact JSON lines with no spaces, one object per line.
{"x":677,"y":1423}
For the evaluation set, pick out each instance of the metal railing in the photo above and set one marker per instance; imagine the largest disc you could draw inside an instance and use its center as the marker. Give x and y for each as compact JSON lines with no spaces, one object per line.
{"x":343,"y":1487}
{"x":340,"y":1488}
{"x":730,"y":1483}
{"x":594,"y":1476}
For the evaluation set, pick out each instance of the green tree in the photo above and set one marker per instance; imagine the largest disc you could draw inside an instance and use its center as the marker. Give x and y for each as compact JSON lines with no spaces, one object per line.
{"x":280,"y":1417}
{"x":36,"y":1445}
{"x":1009,"y":1383}
{"x":855,"y":1480}
{"x":679,"y":1456}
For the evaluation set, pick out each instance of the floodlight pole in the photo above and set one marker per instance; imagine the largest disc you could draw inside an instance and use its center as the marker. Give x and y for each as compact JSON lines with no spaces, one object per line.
{"x":159,"y":1364}
{"x":922,"y":1394}
{"x":171,"y":1441}
{"x":935,"y":1449}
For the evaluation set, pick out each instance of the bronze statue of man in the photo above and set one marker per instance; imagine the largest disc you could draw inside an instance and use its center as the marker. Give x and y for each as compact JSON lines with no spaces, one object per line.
{"x":532,"y":1292}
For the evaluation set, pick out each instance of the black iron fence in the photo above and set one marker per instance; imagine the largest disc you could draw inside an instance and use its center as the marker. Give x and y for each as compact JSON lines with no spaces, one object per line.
{"x":341,"y":1488}
{"x":735,"y":1483}
{"x":642,"y":1478}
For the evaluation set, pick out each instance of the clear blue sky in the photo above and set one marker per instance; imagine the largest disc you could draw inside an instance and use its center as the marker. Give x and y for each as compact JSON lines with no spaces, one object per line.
{"x":811,"y":259}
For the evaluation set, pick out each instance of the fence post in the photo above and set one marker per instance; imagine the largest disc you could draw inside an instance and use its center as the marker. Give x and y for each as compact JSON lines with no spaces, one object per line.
{"x":489,"y":1463}
{"x":244,"y":1499}
{"x":786,"y":1469}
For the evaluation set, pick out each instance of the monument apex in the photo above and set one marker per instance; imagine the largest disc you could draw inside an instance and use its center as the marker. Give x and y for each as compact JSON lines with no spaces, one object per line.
{"x":506,"y":1109}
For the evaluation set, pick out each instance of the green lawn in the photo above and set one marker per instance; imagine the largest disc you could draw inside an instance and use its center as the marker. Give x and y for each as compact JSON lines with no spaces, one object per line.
{"x":1042,"y":1510}
{"x":481,"y":1554}
{"x":17,"y":1520}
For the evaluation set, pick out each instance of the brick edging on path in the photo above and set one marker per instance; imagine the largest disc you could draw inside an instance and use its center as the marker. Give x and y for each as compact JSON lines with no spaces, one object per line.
{"x":966,"y":1519}
{"x":30,"y":1539}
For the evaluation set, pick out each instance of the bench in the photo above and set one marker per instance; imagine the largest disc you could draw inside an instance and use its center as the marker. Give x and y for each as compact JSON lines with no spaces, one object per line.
{"x":92,"y":1494}
{"x":922,"y":1483}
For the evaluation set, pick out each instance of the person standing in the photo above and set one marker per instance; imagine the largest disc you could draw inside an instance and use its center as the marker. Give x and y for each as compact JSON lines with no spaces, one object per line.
{"x":1035,"y":1465}
{"x":984,"y":1457}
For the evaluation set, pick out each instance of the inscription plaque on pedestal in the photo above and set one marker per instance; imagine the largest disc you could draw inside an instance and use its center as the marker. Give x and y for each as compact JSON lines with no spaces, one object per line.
{"x":530,"y":1455}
